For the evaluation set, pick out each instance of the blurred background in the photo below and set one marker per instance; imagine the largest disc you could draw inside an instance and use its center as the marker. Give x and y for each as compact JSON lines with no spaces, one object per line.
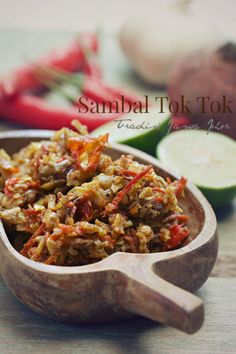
{"x":76,"y":14}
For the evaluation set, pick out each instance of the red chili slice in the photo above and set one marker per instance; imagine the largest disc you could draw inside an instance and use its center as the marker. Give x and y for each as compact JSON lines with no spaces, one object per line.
{"x":120,"y":195}
{"x":31,"y":242}
{"x":178,"y":235}
{"x":93,"y":147}
{"x":180,"y":185}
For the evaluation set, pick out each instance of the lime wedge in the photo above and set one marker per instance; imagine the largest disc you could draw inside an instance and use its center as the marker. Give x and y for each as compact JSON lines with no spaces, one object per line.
{"x":207,"y":160}
{"x":140,"y":130}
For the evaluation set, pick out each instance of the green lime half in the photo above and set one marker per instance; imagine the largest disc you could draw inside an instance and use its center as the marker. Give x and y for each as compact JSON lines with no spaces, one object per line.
{"x":140,"y":130}
{"x":207,"y":160}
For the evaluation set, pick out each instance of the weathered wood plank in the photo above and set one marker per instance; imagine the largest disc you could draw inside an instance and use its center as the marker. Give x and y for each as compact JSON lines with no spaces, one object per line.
{"x":227,"y":230}
{"x":226,"y":262}
{"x":23,"y":331}
{"x":225,"y":266}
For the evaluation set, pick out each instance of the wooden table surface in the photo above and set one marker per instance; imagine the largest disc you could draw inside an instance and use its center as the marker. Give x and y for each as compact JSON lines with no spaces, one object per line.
{"x":23,"y":331}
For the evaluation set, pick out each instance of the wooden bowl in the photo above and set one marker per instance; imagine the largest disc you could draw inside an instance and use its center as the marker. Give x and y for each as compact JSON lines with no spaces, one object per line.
{"x":124,"y":284}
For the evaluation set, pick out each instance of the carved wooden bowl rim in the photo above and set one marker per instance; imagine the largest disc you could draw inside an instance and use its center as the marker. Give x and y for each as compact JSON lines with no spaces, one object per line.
{"x":207,"y":232}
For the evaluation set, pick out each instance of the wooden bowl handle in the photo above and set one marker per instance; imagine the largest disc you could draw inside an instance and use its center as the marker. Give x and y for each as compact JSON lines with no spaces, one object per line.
{"x":150,"y":296}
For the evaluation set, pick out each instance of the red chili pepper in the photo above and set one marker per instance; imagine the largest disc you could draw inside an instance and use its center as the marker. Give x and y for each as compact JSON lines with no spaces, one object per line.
{"x":31,"y":242}
{"x":70,"y":59}
{"x":128,"y":96}
{"x":33,"y":216}
{"x":10,"y":170}
{"x":98,"y":149}
{"x":94,"y":100}
{"x":180,"y":185}
{"x":184,"y":218}
{"x":120,"y":195}
{"x":101,"y":92}
{"x":128,"y":173}
{"x":92,"y":68}
{"x":36,"y":112}
{"x":179,"y":217}
{"x":12,"y":181}
{"x":97,"y":91}
{"x":91,"y":65}
{"x":50,"y":260}
{"x":9,"y":184}
{"x":70,"y":204}
{"x":90,"y":86}
{"x":31,"y":212}
{"x":100,"y":97}
{"x":178,"y":233}
{"x":67,"y":229}
{"x":93,"y":147}
{"x":159,"y":199}
{"x":89,"y":42}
